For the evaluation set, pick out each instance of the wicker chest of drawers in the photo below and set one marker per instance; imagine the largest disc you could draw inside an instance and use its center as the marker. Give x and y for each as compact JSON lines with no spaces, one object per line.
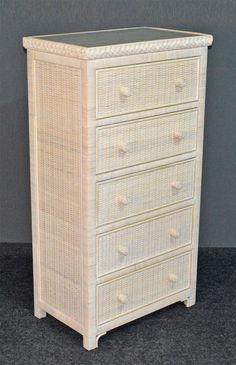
{"x":116,"y":131}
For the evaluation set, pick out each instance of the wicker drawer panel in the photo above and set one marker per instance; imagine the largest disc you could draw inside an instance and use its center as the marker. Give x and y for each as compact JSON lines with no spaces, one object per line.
{"x":137,"y":193}
{"x":143,"y":287}
{"x":127,"y":89}
{"x":146,"y":140}
{"x":131,"y":244}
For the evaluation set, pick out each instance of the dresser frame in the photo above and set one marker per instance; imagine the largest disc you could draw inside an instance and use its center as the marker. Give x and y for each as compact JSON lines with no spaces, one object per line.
{"x":88,"y":326}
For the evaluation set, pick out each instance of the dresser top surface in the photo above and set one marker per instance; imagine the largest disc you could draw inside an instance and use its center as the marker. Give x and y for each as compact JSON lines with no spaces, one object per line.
{"x":115,"y":36}
{"x":116,"y":42}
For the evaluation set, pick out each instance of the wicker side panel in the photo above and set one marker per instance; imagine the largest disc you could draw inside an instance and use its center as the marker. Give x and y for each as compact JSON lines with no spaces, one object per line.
{"x":143,"y":240}
{"x":137,"y":193}
{"x":147,"y":140}
{"x":143,"y":287}
{"x":127,"y":89}
{"x":59,"y":150}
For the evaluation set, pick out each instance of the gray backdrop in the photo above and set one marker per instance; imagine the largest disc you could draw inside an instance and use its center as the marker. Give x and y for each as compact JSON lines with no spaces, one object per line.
{"x":33,"y":17}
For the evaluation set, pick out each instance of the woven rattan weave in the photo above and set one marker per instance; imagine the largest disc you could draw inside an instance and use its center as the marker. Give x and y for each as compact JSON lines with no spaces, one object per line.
{"x":116,"y":124}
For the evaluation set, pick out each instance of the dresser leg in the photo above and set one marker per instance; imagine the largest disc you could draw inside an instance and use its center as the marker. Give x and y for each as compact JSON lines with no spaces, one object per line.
{"x":38,"y":312}
{"x":91,"y":342}
{"x":190,"y":301}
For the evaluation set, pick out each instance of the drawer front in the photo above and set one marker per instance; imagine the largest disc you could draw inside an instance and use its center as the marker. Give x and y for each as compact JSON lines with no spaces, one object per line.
{"x":143,"y":287}
{"x":147,"y":140}
{"x":137,"y":193}
{"x":126,"y":89}
{"x":140,"y":241}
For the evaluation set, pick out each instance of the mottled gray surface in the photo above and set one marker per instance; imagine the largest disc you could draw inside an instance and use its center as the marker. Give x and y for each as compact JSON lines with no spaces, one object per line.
{"x":201,"y":335}
{"x":35,"y":17}
{"x":104,"y":38}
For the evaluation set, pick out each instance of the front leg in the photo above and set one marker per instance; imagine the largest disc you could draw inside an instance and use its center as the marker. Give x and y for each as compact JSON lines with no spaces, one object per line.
{"x":91,"y":342}
{"x":190,"y":301}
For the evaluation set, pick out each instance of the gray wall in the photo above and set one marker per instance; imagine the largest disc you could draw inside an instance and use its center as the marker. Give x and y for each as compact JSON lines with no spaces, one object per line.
{"x":25,"y":17}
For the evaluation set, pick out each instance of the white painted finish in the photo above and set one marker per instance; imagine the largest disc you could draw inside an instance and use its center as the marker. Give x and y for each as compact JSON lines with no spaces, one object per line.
{"x":116,"y":158}
{"x":140,"y":241}
{"x":140,"y":141}
{"x":142,"y":287}
{"x":127,"y":89}
{"x":150,"y":189}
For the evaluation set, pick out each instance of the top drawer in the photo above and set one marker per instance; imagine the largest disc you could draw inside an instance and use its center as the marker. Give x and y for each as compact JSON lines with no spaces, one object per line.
{"x":127,"y":89}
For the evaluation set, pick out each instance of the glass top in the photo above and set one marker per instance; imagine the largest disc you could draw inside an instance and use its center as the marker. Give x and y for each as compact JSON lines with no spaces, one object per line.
{"x":115,"y":36}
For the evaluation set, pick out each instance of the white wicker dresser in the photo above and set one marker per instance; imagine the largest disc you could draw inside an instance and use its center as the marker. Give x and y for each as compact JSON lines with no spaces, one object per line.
{"x":116,"y":131}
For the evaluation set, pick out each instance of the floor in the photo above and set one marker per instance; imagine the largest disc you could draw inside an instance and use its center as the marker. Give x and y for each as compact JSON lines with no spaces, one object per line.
{"x":203,"y":334}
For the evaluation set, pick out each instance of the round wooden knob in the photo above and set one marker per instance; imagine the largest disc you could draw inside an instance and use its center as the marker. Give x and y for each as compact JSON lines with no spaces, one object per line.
{"x":173,"y":278}
{"x":125,"y":91}
{"x":174,"y":233}
{"x":122,"y":298}
{"x":179,"y":83}
{"x":176,"y":185}
{"x":122,"y":200}
{"x":123,"y":250}
{"x":178,"y":136}
{"x":122,"y":147}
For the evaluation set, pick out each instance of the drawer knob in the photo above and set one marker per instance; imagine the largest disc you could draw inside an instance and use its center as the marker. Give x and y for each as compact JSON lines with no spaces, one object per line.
{"x":122,"y":147}
{"x":178,"y":136}
{"x":122,"y":298}
{"x":174,"y":233}
{"x":179,"y":83}
{"x":173,"y":278}
{"x":176,"y":185}
{"x":122,"y":200}
{"x":125,"y":91}
{"x":123,"y":250}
